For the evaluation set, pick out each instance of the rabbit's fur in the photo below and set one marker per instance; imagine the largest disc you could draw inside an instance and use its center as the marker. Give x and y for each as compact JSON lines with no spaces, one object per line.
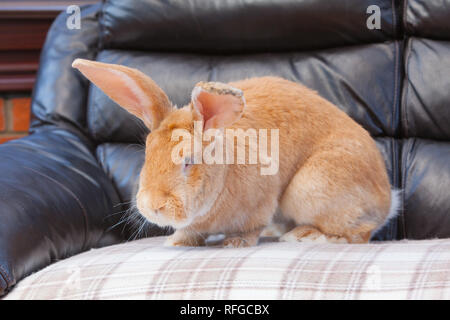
{"x":332,"y":180}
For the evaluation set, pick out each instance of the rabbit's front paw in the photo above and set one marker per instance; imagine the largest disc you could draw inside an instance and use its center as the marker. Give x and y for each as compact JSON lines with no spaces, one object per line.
{"x":185,"y":239}
{"x":236,"y":242}
{"x":242,"y":239}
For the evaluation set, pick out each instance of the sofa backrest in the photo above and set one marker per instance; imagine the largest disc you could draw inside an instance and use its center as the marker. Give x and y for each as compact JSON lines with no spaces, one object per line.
{"x":394,"y":80}
{"x":425,"y":119}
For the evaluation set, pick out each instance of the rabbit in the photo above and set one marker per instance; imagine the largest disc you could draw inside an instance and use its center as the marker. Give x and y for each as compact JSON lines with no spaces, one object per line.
{"x":331,"y":180}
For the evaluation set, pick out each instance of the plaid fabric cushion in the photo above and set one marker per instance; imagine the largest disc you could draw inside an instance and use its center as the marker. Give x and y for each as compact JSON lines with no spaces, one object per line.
{"x":145,"y":269}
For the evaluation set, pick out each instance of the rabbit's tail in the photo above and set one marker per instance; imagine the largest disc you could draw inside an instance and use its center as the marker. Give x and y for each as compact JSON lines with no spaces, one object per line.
{"x":393,"y":210}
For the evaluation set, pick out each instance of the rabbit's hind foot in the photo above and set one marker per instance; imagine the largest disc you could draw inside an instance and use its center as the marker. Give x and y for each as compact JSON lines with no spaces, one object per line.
{"x":309,"y":234}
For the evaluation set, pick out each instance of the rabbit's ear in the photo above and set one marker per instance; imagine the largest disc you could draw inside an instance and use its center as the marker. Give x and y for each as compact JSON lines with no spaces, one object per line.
{"x":128,"y":87}
{"x":219,"y":105}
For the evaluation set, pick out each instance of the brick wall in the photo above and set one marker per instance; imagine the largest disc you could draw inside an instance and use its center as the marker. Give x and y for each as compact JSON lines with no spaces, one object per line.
{"x":14,"y":116}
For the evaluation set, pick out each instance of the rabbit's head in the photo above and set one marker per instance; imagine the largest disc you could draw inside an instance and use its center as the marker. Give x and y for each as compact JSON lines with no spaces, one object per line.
{"x":174,"y":190}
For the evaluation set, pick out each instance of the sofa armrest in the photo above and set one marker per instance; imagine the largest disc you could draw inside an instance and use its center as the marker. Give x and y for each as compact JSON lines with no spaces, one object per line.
{"x":55,"y":201}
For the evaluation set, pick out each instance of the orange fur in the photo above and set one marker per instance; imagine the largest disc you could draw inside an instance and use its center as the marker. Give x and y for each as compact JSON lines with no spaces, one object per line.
{"x":332,"y":179}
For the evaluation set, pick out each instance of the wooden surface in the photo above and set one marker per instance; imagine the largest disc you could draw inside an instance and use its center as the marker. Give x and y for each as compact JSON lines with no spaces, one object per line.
{"x":23,"y":28}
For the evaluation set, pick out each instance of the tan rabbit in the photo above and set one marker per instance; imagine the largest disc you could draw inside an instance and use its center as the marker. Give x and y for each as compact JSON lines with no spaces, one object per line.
{"x":331,"y":180}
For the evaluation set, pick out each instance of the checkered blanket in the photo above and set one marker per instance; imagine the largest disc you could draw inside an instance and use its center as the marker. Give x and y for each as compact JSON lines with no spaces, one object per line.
{"x":145,"y":269}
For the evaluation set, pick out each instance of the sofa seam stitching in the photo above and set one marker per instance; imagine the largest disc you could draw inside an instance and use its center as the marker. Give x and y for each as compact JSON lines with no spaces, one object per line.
{"x":405,"y":6}
{"x":405,"y":98}
{"x":396,"y":66}
{"x":396,"y":102}
{"x":406,"y":128}
{"x":90,"y":90}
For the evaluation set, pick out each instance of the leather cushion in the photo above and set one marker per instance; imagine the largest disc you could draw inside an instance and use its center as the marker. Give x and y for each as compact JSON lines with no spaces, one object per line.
{"x":426,"y":90}
{"x":122,"y":163}
{"x":243,"y":26}
{"x":427,"y":18}
{"x":425,"y":178}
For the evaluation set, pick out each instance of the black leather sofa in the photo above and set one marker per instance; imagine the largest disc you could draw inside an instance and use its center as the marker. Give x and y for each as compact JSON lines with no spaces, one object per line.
{"x":64,"y":186}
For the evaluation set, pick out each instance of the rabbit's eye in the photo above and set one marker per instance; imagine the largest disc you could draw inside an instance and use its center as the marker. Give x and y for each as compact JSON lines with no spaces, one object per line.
{"x":187,"y":163}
